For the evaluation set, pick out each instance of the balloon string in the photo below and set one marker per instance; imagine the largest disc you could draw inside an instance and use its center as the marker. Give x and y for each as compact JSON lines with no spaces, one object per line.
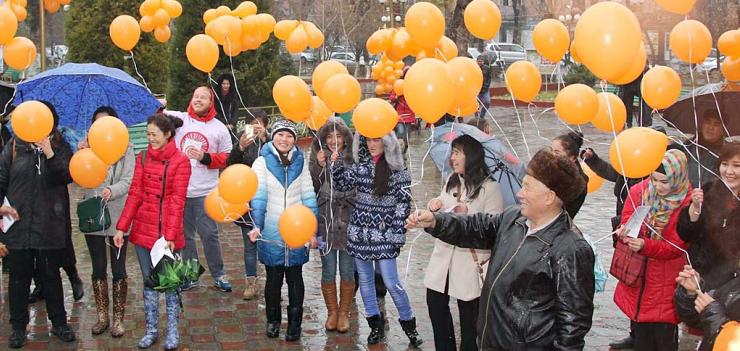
{"x":487,"y":112}
{"x":531,"y":116}
{"x":236,"y":85}
{"x":136,"y":69}
{"x":716,"y":104}
{"x":220,"y":103}
{"x":519,"y":119}
{"x":693,"y":104}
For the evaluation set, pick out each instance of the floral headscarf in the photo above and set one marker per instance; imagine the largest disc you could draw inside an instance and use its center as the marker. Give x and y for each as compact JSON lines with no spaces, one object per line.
{"x":662,"y":206}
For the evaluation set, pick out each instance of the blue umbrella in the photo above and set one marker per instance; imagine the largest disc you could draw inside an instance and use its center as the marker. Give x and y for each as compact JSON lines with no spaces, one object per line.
{"x":77,"y":89}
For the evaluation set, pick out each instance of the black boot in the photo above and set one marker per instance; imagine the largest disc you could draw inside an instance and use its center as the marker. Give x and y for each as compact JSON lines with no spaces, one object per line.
{"x":626,"y":343}
{"x":377,"y":329}
{"x":17,"y":339}
{"x":295,"y":317}
{"x":78,"y":290}
{"x":273,"y":322}
{"x":409,"y":327}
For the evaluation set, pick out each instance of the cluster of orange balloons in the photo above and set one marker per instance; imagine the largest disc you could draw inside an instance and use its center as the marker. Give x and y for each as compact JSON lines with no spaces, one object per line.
{"x":237,"y":184}
{"x":297,"y":225}
{"x":299,"y":35}
{"x":637,"y":152}
{"x":19,"y":52}
{"x":109,"y":139}
{"x":482,"y":19}
{"x":388,"y":73}
{"x":729,"y":45}
{"x":156,"y":16}
{"x":238,"y":30}
{"x":18,"y":8}
{"x":32,"y":121}
{"x":52,"y":6}
{"x":221,"y":210}
{"x":125,"y":32}
{"x":397,"y":43}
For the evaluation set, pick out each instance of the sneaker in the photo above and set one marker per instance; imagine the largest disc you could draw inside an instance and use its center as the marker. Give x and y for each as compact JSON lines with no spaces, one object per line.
{"x":190,"y":285}
{"x":17,"y":339}
{"x":222,"y":284}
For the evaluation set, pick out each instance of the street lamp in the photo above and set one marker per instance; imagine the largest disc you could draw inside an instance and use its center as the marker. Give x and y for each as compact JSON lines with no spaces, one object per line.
{"x":393,"y":10}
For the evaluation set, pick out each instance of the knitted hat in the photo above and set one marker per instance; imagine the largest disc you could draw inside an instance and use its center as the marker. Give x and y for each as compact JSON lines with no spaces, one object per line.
{"x":283,"y":125}
{"x":557,"y":173}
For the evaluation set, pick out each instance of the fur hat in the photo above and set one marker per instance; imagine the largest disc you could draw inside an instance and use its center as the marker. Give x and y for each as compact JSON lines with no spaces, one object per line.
{"x":283,"y":125}
{"x":557,"y":173}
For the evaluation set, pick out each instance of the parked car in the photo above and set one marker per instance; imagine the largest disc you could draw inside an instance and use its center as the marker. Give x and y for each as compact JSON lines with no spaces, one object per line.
{"x":507,"y":53}
{"x":307,"y":56}
{"x":346,"y":58}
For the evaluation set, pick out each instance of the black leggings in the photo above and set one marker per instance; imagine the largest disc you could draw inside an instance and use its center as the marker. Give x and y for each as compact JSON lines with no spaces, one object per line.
{"x":655,"y":336}
{"x":274,"y":284}
{"x":438,"y":305}
{"x":96,"y":244}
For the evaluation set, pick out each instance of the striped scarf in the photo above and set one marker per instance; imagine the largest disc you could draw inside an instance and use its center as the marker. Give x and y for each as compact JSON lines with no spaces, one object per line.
{"x":662,"y":206}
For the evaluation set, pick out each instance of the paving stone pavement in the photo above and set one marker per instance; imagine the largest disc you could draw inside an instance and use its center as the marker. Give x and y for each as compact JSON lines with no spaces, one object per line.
{"x":213,"y":320}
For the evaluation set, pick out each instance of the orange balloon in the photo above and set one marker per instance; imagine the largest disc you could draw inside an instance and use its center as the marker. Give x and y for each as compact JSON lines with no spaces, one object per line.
{"x":147,"y":24}
{"x":297,"y":41}
{"x":108,"y":139}
{"x":523,"y":80}
{"x":87,"y":170}
{"x":577,"y":104}
{"x":728,"y":43}
{"x":731,"y":68}
{"x":680,"y":7}
{"x":265,"y":23}
{"x":32,"y":121}
{"x":341,"y":92}
{"x":728,"y":338}
{"x":379,"y":90}
{"x":637,"y":152}
{"x":149,"y":7}
{"x":20,"y":12}
{"x":374,"y":118}
{"x":173,"y":8}
{"x":482,"y":18}
{"x":379,"y":41}
{"x":429,"y":89}
{"x":467,"y":79}
{"x":398,"y":87}
{"x":401,"y":45}
{"x":398,"y":65}
{"x":246,"y":8}
{"x":320,"y":113}
{"x":608,"y":36}
{"x":466,"y":108}
{"x":237,"y":183}
{"x":202,"y":52}
{"x":8,"y":25}
{"x":315,"y":37}
{"x":612,"y":114}
{"x":574,"y":53}
{"x":551,"y":39}
{"x":51,"y":6}
{"x":446,"y":49}
{"x":594,"y":181}
{"x":222,"y":211}
{"x":635,"y":70}
{"x":162,"y":34}
{"x":292,"y":95}
{"x":209,"y":16}
{"x":223,"y":10}
{"x":297,"y":225}
{"x":691,"y":41}
{"x":225,"y":30}
{"x":233,"y":49}
{"x":297,"y":117}
{"x":660,"y":87}
{"x":125,"y":32}
{"x":324,"y":71}
{"x":425,"y":23}
{"x":249,"y":25}
{"x":20,"y":53}
{"x":161,"y":17}
{"x":284,"y":28}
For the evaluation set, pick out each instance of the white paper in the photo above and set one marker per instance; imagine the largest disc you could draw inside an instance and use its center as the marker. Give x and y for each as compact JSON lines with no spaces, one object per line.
{"x":8,"y":221}
{"x":190,"y":142}
{"x":632,"y":228}
{"x":159,"y":250}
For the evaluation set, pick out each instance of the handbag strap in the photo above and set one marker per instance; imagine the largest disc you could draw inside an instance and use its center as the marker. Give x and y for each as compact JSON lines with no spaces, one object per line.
{"x":472,"y":251}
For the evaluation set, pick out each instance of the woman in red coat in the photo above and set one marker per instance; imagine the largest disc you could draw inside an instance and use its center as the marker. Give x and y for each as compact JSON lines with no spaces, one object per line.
{"x":649,"y":302}
{"x":155,"y":207}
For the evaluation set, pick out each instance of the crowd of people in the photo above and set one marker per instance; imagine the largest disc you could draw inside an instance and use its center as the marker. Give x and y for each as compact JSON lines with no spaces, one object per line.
{"x":523,"y":276}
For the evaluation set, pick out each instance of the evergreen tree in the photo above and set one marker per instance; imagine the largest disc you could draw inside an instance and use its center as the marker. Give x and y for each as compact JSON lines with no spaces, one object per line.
{"x":87,"y":36}
{"x":256,"y":71}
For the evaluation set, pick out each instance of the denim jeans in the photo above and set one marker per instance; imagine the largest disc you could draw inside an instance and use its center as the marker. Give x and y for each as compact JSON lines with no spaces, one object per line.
{"x":389,"y":272}
{"x":329,"y":266}
{"x":485,"y":103}
{"x":250,"y":253}
{"x":196,"y":218}
{"x":145,"y":261}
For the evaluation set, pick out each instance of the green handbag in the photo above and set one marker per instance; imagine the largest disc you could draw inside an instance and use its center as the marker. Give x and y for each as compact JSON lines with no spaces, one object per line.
{"x":94,"y":215}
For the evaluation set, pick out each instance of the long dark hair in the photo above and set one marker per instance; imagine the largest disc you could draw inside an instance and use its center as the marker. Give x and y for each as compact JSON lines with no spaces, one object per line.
{"x":571,"y":142}
{"x":56,"y":137}
{"x":476,"y":171}
{"x":382,"y":176}
{"x":106,"y":109}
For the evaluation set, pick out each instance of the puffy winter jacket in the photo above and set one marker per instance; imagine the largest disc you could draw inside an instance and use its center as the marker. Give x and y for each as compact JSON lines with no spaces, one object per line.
{"x":652,"y":300}
{"x":405,"y":114}
{"x":156,"y":199}
{"x":539,"y":288}
{"x":279,"y":187}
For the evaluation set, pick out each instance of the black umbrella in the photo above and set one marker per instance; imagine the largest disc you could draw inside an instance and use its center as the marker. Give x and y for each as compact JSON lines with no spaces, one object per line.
{"x":681,"y":114}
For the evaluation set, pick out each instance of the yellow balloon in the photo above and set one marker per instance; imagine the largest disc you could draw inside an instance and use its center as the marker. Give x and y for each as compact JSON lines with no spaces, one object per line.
{"x":315,"y":37}
{"x":292,"y":95}
{"x":246,"y":8}
{"x":202,"y":52}
{"x":341,"y":92}
{"x":20,"y":53}
{"x":323,"y":72}
{"x":209,"y":16}
{"x":379,"y":41}
{"x":523,"y":80}
{"x":635,"y":70}
{"x":728,"y":43}
{"x":551,"y":39}
{"x":731,"y":68}
{"x":638,"y":151}
{"x":612,"y":114}
{"x":147,"y":24}
{"x":8,"y":25}
{"x":125,"y":32}
{"x":577,"y":104}
{"x":425,"y":24}
{"x":374,"y":118}
{"x":297,"y":41}
{"x":149,"y":7}
{"x":691,"y":41}
{"x":680,"y":7}
{"x":660,"y":87}
{"x":284,"y":28}
{"x":482,"y":18}
{"x":162,"y":34}
{"x":173,"y":8}
{"x":320,"y":113}
{"x":428,"y":88}
{"x":401,"y":45}
{"x":446,"y":49}
{"x":594,"y":181}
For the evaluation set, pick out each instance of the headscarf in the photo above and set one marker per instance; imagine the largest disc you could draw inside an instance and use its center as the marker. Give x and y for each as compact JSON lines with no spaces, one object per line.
{"x":211,"y":111}
{"x":662,"y":206}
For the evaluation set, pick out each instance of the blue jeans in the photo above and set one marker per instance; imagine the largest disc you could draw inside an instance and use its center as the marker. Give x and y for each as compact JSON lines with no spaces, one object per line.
{"x":145,"y":261}
{"x":329,"y":266}
{"x":196,"y":218}
{"x":389,"y":272}
{"x":250,"y":253}
{"x":485,"y":101}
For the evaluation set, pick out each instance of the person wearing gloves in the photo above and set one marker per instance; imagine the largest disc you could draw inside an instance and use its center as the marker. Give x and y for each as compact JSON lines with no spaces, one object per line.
{"x":207,"y":142}
{"x":283,"y":180}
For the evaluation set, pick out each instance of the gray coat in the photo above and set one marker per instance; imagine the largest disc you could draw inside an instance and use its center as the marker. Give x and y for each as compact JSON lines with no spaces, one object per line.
{"x":118,"y":180}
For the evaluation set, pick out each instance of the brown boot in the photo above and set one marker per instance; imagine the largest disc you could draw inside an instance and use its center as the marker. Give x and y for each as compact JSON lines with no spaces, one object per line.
{"x":100,"y":291}
{"x":329,"y":290}
{"x":346,"y":295}
{"x":120,"y":289}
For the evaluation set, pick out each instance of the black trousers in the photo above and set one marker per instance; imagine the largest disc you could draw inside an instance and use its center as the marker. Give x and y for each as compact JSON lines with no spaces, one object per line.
{"x":97,"y":246}
{"x":274,"y":284}
{"x":438,"y":305}
{"x":655,"y":336}
{"x":22,"y":263}
{"x":643,"y":117}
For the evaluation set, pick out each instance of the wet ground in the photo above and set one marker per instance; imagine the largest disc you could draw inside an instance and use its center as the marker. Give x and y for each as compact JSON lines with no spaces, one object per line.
{"x":213,"y":320}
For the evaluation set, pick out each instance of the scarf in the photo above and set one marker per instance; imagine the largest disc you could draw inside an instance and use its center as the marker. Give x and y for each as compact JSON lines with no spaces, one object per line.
{"x":211,"y":112}
{"x":662,"y":206}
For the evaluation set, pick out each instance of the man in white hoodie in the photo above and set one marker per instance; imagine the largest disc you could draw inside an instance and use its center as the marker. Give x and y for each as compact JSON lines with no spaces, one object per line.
{"x":206,"y":141}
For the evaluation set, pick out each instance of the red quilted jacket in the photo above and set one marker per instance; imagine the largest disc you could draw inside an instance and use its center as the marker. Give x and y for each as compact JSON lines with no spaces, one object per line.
{"x":652,"y":301}
{"x":143,"y":203}
{"x":405,"y":114}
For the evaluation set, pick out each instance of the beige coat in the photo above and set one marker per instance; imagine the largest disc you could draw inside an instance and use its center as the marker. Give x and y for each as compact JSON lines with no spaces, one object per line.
{"x":465,"y":282}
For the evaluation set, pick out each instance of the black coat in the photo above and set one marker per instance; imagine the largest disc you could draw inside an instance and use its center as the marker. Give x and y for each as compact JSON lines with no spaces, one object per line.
{"x":539,"y":289}
{"x":37,"y":189}
{"x":574,"y":206}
